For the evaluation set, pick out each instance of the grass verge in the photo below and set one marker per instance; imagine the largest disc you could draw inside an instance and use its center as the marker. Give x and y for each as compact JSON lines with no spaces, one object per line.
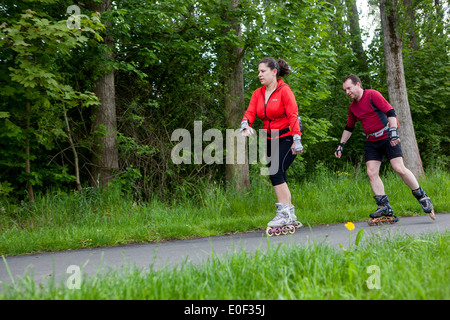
{"x":95,"y":218}
{"x":398,"y":268}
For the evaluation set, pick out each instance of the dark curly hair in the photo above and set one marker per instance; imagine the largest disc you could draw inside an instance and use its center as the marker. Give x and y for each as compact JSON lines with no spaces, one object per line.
{"x":281,"y":66}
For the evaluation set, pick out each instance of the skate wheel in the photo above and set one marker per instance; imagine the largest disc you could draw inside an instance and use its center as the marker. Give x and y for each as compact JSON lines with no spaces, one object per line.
{"x":395,"y":219}
{"x":284,"y":230}
{"x":269,"y":231}
{"x":276,"y":231}
{"x":291,"y":229}
{"x":372,"y":223}
{"x":298,"y":225}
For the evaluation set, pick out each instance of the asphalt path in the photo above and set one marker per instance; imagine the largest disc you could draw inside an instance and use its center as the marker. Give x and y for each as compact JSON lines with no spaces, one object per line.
{"x":93,"y":261}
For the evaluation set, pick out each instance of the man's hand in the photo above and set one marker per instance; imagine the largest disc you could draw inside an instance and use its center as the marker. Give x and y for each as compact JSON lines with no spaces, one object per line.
{"x":393,"y":136}
{"x":339,"y":150}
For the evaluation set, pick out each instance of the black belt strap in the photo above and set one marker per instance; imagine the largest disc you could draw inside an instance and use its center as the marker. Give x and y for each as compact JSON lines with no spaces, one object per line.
{"x":279,"y":133}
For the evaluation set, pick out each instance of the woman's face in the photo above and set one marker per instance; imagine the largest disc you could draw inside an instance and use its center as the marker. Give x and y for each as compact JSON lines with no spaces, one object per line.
{"x":266,"y":75}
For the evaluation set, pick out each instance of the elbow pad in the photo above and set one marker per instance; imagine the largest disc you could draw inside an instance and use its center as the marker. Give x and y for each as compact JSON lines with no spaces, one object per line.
{"x":349,"y":128}
{"x":391,"y":114}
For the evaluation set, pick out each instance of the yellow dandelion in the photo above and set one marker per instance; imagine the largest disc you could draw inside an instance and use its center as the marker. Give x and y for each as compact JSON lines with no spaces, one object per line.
{"x":350,"y":226}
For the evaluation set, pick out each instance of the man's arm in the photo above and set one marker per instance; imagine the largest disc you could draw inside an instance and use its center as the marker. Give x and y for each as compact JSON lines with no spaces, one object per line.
{"x":350,"y":125}
{"x":345,"y":136}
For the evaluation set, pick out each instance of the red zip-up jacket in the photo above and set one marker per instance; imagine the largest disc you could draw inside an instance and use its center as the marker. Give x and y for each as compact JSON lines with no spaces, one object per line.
{"x":280,"y":112}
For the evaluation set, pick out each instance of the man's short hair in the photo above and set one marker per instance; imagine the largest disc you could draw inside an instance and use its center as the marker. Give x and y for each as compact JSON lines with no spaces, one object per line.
{"x":355,"y":79}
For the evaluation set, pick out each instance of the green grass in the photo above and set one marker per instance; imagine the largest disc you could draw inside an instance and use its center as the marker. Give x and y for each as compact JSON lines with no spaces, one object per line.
{"x":94,"y":218}
{"x":409,"y":268}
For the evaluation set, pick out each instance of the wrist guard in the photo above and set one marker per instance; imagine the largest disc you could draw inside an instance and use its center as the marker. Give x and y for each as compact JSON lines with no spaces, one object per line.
{"x":298,"y":143}
{"x":244,"y":125}
{"x":340,"y":147}
{"x":393,"y":134}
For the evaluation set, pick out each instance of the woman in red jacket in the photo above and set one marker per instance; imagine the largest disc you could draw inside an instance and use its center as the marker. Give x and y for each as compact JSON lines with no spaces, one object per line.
{"x":275,"y":104}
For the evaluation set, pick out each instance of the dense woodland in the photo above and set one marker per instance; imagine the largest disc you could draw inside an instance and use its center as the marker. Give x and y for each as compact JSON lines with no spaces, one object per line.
{"x":91,"y":94}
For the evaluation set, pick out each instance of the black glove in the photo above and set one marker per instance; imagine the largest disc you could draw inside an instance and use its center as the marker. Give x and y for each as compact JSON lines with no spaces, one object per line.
{"x":340,"y":147}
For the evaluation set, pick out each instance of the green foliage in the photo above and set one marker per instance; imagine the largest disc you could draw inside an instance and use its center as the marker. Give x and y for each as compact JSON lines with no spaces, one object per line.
{"x":37,"y":95}
{"x":169,"y":62}
{"x":5,"y":189}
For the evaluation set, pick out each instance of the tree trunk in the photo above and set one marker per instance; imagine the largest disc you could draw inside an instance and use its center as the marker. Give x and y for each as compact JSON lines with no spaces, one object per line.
{"x":28,"y":155}
{"x":438,"y":7}
{"x":357,"y":44}
{"x":106,"y":155}
{"x":411,"y":23}
{"x":440,"y":17}
{"x":236,"y":173}
{"x":74,"y":150}
{"x":395,"y":79}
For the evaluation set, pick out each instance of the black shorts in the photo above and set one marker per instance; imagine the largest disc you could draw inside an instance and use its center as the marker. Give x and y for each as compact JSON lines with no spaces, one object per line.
{"x":377,"y":150}
{"x":282,"y":161}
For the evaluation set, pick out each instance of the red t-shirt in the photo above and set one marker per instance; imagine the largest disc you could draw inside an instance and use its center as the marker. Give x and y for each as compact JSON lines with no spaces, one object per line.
{"x":372,"y":116}
{"x":280,"y":112}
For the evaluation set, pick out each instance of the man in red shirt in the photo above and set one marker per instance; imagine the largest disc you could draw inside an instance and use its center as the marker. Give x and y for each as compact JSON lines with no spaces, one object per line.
{"x":379,"y":124}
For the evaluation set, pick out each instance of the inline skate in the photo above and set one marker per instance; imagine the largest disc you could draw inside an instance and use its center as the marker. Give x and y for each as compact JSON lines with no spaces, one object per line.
{"x":284,"y":221}
{"x":384,"y":213}
{"x":424,"y":201}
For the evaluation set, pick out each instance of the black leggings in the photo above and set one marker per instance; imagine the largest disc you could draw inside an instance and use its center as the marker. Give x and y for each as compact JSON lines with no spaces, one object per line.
{"x":283,"y":159}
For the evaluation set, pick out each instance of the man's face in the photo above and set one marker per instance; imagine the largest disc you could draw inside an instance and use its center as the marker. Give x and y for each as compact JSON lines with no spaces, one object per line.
{"x":353,"y":91}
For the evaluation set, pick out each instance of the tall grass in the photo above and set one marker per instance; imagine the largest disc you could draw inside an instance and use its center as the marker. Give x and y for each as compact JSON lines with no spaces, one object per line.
{"x":92,"y":217}
{"x":408,"y":268}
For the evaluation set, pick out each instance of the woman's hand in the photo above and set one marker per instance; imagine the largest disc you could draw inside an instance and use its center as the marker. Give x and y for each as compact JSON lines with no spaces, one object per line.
{"x":297,"y":147}
{"x":295,"y":152}
{"x":247,"y":132}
